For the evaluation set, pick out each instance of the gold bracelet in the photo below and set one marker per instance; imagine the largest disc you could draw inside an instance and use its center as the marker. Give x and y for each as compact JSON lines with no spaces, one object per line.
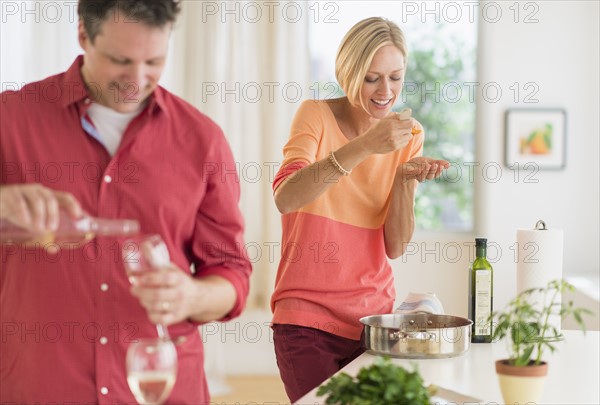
{"x":337,"y":165}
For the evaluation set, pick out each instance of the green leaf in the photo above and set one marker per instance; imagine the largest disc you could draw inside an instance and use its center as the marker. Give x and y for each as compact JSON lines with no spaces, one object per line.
{"x":526,"y":323}
{"x":548,"y":139}
{"x":524,"y":332}
{"x":380,"y":383}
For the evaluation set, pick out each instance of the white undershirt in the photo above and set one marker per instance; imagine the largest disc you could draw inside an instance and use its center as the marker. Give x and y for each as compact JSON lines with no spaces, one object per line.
{"x":111,"y":124}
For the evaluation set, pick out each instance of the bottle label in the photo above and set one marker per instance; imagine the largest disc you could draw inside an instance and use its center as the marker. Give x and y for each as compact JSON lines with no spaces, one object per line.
{"x":483,"y":302}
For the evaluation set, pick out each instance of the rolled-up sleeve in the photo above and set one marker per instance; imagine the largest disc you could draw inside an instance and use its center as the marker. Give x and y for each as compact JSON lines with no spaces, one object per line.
{"x":218,"y":243}
{"x":301,"y":148}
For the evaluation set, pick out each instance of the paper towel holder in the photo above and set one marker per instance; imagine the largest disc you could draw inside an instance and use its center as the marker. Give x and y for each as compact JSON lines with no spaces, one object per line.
{"x":540,"y":226}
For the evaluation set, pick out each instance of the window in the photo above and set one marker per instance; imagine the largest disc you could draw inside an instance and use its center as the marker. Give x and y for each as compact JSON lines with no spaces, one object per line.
{"x":440,"y":87}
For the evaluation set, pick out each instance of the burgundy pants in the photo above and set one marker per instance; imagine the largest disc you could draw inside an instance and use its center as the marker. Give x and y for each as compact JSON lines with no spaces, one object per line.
{"x":306,"y":357}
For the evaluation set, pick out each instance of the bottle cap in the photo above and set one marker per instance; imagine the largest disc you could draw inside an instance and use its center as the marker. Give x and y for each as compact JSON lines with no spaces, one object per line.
{"x":480,"y":242}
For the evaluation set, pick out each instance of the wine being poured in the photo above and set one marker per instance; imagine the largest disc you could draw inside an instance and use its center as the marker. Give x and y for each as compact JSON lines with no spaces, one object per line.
{"x":70,"y":233}
{"x":143,"y":254}
{"x":151,"y":363}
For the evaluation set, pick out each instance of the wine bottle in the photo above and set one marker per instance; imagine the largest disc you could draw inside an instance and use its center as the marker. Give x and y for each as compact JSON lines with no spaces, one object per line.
{"x":70,"y":232}
{"x":481,"y":293}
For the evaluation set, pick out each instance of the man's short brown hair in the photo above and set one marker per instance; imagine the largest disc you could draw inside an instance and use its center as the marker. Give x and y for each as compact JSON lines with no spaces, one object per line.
{"x":154,"y":13}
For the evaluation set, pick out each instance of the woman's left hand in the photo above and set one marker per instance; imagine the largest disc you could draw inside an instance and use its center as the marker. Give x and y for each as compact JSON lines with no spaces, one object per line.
{"x":422,"y":168}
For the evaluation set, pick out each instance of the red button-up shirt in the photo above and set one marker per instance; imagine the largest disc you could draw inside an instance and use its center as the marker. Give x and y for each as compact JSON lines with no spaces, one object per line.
{"x":67,"y":319}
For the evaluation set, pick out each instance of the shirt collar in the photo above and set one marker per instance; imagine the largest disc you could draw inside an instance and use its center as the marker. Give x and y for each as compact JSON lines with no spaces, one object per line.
{"x":74,"y":84}
{"x":77,"y":92}
{"x":156,"y":101}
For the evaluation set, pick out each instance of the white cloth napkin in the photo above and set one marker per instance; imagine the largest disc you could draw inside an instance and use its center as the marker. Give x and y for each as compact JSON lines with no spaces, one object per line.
{"x":420,"y":302}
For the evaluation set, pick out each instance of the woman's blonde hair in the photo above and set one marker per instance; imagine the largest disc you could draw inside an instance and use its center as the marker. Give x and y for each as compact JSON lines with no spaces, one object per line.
{"x":357,"y":49}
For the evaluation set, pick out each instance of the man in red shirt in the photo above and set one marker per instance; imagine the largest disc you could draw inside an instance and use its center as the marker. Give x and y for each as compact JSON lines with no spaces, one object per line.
{"x":104,"y":138}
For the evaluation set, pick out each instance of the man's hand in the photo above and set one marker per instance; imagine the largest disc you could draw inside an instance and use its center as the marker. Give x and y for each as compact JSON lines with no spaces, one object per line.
{"x":35,"y":207}
{"x":171,"y":295}
{"x":165,"y":294}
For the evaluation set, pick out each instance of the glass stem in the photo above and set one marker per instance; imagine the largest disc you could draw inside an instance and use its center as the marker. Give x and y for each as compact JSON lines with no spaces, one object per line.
{"x":163,"y":332}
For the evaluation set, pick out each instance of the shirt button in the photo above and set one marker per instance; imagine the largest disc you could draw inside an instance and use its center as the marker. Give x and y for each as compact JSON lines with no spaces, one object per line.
{"x":104,"y":391}
{"x":104,"y":287}
{"x":103,"y":340}
{"x":107,"y":179}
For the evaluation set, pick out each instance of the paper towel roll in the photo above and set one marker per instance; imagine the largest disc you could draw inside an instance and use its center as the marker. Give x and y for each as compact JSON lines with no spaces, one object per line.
{"x":540,"y":260}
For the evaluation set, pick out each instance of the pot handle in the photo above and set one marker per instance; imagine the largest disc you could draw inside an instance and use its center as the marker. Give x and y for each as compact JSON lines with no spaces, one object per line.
{"x":421,"y":335}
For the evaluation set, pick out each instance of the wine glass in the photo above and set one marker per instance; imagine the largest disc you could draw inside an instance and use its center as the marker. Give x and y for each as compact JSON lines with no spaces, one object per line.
{"x":151,"y":370}
{"x":142,"y":254}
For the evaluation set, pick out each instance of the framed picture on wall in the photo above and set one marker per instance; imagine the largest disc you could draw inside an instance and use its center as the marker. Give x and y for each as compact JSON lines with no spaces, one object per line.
{"x":535,"y":137}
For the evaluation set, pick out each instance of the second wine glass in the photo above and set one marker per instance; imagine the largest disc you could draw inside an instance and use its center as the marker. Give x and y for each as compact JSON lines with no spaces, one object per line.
{"x":142,"y":254}
{"x":151,"y":370}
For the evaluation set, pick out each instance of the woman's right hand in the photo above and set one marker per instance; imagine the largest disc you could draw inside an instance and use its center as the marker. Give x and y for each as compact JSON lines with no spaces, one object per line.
{"x":35,"y":207}
{"x":389,"y":134}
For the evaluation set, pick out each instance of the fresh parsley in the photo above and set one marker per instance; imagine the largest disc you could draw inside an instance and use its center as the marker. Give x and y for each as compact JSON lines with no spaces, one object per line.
{"x":381,"y":383}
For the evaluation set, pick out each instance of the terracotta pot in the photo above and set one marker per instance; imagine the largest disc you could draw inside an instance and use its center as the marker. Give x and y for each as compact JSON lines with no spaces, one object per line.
{"x":521,"y":385}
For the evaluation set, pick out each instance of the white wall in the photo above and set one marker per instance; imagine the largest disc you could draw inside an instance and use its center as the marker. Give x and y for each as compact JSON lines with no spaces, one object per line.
{"x":560,"y":54}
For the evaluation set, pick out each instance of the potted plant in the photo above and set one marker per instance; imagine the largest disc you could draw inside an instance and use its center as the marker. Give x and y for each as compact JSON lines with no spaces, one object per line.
{"x":530,"y":331}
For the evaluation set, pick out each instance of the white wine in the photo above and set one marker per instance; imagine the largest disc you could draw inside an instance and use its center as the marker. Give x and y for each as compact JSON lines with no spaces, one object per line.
{"x":151,"y":387}
{"x":481,"y":293}
{"x":70,"y":233}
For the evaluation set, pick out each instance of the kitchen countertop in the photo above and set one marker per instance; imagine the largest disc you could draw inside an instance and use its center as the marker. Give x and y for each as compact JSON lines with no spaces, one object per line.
{"x":573,"y":372}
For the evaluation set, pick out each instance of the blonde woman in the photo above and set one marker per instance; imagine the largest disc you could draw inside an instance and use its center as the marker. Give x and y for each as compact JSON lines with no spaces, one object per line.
{"x":346,"y":190}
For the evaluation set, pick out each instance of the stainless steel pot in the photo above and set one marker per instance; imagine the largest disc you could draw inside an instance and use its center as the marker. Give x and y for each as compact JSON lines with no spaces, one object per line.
{"x":418,"y":336}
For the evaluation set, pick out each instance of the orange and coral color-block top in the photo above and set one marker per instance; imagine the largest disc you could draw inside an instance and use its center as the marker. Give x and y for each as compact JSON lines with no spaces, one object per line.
{"x":334,"y":268}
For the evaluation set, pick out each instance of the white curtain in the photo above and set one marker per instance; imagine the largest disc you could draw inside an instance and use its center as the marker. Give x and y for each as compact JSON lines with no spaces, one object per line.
{"x":237,"y":72}
{"x":243,"y":63}
{"x":37,"y":39}
{"x":247,"y":67}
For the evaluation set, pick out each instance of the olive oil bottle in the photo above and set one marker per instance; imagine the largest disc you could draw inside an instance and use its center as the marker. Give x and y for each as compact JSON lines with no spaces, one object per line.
{"x":481,"y":293}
